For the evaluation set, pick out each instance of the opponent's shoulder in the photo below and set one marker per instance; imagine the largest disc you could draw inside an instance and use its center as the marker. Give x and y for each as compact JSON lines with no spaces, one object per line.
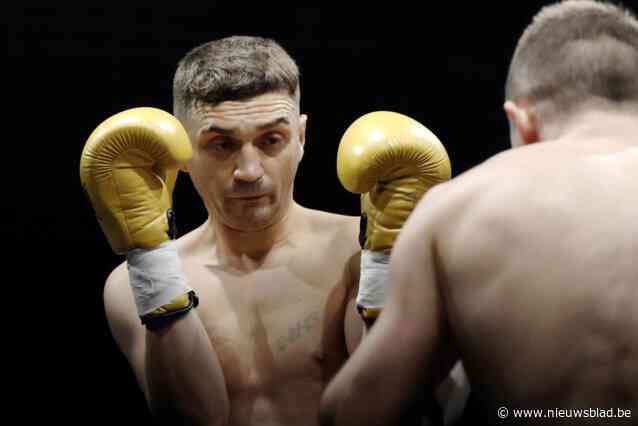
{"x":484,"y":190}
{"x":505,"y":174}
{"x":449,"y":200}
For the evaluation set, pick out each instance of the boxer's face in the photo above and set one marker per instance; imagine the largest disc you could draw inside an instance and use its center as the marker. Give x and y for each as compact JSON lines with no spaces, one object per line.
{"x":245,"y":158}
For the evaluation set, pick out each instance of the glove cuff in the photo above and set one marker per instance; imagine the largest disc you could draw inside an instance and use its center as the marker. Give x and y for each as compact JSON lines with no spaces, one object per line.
{"x":163,"y":315}
{"x":158,"y":282}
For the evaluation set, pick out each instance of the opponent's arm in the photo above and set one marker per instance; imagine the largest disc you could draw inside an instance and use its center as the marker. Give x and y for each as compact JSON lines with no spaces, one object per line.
{"x":405,"y":351}
{"x":128,"y":169}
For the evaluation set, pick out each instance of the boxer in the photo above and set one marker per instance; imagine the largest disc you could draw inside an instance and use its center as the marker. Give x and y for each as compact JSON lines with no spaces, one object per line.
{"x":245,"y":319}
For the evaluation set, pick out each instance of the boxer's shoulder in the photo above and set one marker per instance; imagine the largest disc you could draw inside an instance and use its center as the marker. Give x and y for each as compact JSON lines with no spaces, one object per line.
{"x":121,"y":314}
{"x":118,"y":281}
{"x":332,"y":224}
{"x":340,"y":234}
{"x":324,"y":218}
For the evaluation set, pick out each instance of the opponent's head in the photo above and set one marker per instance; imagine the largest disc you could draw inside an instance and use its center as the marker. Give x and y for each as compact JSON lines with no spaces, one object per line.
{"x":238,"y":98}
{"x":576,"y":54}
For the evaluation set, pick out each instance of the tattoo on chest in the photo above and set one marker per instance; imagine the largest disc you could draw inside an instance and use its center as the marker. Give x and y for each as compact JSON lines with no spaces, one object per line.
{"x":299,"y":329}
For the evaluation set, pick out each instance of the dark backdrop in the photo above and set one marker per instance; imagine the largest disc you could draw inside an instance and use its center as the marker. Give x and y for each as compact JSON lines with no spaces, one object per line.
{"x":69,"y":68}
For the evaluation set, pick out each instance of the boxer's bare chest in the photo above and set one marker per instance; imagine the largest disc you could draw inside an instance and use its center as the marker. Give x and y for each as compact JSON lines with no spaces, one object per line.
{"x":274,"y":325}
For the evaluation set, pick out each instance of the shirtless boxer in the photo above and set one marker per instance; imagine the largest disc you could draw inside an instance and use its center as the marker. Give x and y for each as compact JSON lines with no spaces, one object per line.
{"x":245,"y":319}
{"x":525,"y":267}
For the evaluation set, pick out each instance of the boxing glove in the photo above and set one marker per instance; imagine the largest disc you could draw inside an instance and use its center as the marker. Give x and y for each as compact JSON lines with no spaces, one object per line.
{"x":128,"y":170}
{"x":391,"y":160}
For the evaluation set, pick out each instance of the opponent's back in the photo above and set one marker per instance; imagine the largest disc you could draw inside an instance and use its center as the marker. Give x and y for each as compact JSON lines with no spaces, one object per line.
{"x":540,"y":275}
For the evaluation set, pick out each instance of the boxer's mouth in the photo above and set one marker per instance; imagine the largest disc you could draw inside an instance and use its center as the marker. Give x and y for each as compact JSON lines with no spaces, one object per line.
{"x":248,"y":197}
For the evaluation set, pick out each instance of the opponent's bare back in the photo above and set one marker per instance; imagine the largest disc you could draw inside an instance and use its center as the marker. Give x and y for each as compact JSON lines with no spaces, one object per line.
{"x":539,"y":253}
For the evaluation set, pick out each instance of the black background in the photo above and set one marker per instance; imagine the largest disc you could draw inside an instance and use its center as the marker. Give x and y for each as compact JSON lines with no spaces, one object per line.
{"x":69,"y":68}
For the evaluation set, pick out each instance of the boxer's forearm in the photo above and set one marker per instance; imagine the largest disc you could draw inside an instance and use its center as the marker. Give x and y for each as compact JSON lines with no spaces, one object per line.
{"x":183,"y":375}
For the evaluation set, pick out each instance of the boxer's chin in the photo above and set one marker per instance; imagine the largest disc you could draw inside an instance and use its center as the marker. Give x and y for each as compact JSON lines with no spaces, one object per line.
{"x":252,"y":215}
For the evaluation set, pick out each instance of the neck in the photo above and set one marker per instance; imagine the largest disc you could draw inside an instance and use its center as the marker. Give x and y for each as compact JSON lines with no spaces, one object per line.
{"x":619,"y":125}
{"x":249,"y":249}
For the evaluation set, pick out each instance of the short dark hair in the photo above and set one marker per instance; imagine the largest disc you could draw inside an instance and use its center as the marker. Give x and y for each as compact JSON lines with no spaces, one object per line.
{"x":575,"y":51}
{"x":233,"y":68}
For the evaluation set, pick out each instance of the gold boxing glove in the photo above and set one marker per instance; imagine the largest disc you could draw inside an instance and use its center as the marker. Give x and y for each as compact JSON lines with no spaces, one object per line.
{"x":128,"y":169}
{"x":392,"y":160}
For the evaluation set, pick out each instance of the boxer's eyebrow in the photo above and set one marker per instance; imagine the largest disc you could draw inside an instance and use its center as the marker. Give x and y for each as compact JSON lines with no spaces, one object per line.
{"x":228,"y":131}
{"x":276,"y":122}
{"x":216,"y":129}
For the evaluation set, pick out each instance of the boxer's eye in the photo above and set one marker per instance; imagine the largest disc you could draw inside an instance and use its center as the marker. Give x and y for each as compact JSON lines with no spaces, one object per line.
{"x":272,"y":139}
{"x":221,"y":144}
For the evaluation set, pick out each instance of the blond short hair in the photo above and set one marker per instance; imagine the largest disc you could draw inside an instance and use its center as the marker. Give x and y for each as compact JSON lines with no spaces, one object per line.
{"x":575,"y":51}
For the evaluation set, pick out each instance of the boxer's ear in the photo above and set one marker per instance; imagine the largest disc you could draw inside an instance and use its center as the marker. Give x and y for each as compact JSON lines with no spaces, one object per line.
{"x":523,"y":123}
{"x":303,"y":119}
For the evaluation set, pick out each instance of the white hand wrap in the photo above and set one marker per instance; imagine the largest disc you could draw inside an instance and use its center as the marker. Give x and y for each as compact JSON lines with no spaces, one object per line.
{"x":156,"y":276}
{"x":374,"y":281}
